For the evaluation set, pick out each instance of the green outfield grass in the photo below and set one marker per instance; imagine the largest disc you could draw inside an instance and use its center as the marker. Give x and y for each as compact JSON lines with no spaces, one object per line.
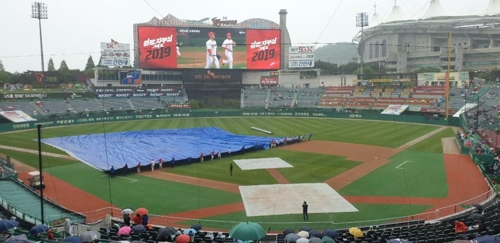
{"x":32,"y":159}
{"x":385,"y":134}
{"x":307,"y":168}
{"x":379,"y":213}
{"x":423,"y":174}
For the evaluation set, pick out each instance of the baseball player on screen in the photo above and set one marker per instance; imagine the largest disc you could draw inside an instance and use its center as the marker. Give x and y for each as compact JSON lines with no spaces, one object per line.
{"x":177,"y":49}
{"x":228,"y":45}
{"x":212,"y":51}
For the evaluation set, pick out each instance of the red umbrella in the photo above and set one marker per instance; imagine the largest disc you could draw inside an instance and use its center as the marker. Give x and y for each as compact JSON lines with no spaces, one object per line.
{"x":141,"y":211}
{"x":182,"y":239}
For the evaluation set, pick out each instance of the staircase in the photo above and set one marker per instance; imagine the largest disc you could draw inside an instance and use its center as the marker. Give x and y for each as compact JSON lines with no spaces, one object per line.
{"x":268,"y":99}
{"x":242,"y":99}
{"x":131,"y":104}
{"x":294,"y":100}
{"x":71,"y":108}
{"x":37,"y":108}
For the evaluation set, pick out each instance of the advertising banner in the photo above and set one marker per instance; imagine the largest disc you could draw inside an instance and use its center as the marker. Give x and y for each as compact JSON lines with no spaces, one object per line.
{"x":16,"y":116}
{"x":454,"y":76}
{"x":130,"y":77}
{"x":115,"y":54}
{"x":179,"y":106}
{"x":268,"y":80}
{"x":63,"y":95}
{"x":187,"y":47}
{"x":212,"y":75}
{"x":301,"y":64}
{"x":157,"y":47}
{"x":144,"y":94}
{"x":301,"y":57}
{"x":394,"y":110}
{"x":123,"y":90}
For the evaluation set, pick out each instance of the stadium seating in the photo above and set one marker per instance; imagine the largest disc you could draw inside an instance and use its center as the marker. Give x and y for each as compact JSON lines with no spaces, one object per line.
{"x":84,"y":105}
{"x":115,"y":104}
{"x":309,"y":97}
{"x":54,"y":106}
{"x":255,"y":97}
{"x":147,"y":103}
{"x":26,"y":107}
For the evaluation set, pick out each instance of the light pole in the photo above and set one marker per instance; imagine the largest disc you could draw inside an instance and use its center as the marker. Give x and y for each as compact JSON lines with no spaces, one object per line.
{"x":362,"y":21}
{"x":39,"y":11}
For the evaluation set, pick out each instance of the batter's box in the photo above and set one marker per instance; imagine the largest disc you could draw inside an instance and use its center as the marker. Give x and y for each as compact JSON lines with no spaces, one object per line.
{"x":263,"y":163}
{"x":284,"y":199}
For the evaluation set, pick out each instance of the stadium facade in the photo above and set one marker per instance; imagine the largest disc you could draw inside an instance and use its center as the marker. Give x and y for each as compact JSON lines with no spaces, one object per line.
{"x":403,"y":45}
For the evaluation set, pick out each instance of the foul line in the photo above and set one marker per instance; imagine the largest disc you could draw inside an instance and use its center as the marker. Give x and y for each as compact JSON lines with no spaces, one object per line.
{"x":406,"y":161}
{"x":122,"y":177}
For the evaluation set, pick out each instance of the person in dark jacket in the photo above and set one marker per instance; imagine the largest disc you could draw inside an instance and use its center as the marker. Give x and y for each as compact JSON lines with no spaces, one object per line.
{"x":304,"y":210}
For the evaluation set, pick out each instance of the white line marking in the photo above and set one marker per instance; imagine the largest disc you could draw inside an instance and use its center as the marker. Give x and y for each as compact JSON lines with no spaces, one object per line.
{"x":131,"y":180}
{"x":406,"y":161}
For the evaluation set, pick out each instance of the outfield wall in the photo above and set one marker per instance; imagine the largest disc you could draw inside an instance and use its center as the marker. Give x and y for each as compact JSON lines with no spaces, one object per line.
{"x":83,"y":119}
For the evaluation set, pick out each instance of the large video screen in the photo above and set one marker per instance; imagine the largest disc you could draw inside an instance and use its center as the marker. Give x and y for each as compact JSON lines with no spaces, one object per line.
{"x":229,"y":48}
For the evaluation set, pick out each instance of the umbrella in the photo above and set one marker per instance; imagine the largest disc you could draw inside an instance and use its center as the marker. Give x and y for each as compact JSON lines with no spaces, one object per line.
{"x":8,"y":224}
{"x":136,"y":241}
{"x":37,"y":229}
{"x":288,"y":231}
{"x":138,"y":229}
{"x":478,"y":207}
{"x":247,"y":231}
{"x":327,"y":239}
{"x":125,"y":230}
{"x":127,"y":211}
{"x":18,"y":239}
{"x":398,"y":241}
{"x":302,"y":240}
{"x":331,"y":233}
{"x":356,"y":232}
{"x":182,"y":239}
{"x":90,"y":236}
{"x":315,"y":240}
{"x":292,"y":237}
{"x":190,"y":231}
{"x":73,"y":239}
{"x":314,"y":233}
{"x":141,"y":211}
{"x":164,"y":233}
{"x":486,"y":239}
{"x":303,"y":234}
{"x":305,"y":228}
{"x":197,"y":227}
{"x":476,"y":216}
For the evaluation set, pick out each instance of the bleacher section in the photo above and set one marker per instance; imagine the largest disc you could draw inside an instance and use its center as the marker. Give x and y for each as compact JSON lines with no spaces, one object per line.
{"x":29,"y":203}
{"x":115,"y":104}
{"x":255,"y":97}
{"x":90,"y":105}
{"x":147,"y":103}
{"x":53,"y":106}
{"x":24,"y":106}
{"x":434,"y":92}
{"x":281,"y":97}
{"x":309,"y":97}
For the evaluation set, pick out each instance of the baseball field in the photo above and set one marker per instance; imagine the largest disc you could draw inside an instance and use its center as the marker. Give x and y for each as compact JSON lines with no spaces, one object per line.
{"x":352,"y":172}
{"x":195,"y":57}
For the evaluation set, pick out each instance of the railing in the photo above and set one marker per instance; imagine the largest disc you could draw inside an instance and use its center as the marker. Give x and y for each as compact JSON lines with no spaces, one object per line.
{"x":430,"y":216}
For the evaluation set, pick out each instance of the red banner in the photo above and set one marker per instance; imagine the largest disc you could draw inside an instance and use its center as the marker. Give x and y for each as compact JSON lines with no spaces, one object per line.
{"x":183,"y":106}
{"x":269,"y":80}
{"x":157,"y":48}
{"x":263,"y":49}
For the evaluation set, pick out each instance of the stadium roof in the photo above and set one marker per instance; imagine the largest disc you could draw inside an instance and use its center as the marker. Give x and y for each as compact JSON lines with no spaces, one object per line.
{"x":435,"y":10}
{"x":376,"y":18}
{"x":493,"y":8}
{"x":397,"y":14}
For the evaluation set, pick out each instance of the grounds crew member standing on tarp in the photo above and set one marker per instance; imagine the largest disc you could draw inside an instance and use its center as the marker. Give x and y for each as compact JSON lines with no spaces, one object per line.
{"x":231,"y":169}
{"x":304,"y":211}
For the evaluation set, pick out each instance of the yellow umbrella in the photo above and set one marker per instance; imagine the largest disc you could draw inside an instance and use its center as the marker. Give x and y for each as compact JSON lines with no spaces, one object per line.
{"x":356,"y":232}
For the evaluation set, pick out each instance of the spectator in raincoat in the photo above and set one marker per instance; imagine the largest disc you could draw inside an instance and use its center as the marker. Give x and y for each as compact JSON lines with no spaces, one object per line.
{"x":460,"y":227}
{"x":137,"y":219}
{"x":145,"y":219}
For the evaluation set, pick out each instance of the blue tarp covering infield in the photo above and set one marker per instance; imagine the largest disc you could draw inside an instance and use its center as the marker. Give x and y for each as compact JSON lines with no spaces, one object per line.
{"x":102,"y":151}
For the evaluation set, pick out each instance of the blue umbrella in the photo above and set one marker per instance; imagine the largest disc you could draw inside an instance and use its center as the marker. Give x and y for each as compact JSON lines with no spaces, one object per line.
{"x":37,"y":229}
{"x":8,"y":224}
{"x":190,"y":232}
{"x":486,"y":239}
{"x":305,"y":228}
{"x":331,"y":233}
{"x":73,"y":239}
{"x":314,"y":233}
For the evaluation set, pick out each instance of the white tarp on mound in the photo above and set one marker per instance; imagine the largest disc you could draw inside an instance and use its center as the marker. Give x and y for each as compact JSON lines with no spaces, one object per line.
{"x":17,"y":116}
{"x":394,"y":110}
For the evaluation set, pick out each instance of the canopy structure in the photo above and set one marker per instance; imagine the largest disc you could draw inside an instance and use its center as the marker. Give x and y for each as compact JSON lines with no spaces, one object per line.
{"x":376,"y":18}
{"x":435,"y":10}
{"x":493,"y":8}
{"x":397,"y":14}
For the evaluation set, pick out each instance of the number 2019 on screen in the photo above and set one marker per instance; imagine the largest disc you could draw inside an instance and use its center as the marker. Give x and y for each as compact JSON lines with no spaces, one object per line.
{"x":263,"y":55}
{"x":159,"y":53}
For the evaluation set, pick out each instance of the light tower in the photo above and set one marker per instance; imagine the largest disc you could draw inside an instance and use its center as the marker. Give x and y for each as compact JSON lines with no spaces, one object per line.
{"x":39,"y":11}
{"x":362,"y":21}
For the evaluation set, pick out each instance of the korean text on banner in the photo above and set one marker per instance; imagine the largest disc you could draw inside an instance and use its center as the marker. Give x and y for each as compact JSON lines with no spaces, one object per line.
{"x":157,"y":47}
{"x":115,"y":54}
{"x":263,"y":49}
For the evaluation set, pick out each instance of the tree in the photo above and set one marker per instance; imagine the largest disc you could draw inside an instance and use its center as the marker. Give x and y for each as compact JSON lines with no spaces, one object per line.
{"x":90,"y":63}
{"x":366,"y":70}
{"x":51,"y":67}
{"x":2,"y":69}
{"x":63,"y":67}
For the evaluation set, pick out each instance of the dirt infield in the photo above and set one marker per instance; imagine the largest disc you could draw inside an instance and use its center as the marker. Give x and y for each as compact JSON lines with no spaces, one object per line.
{"x":450,"y":146}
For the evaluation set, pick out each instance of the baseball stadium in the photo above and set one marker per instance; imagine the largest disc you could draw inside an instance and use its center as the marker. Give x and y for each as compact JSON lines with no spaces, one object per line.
{"x":251,"y":152}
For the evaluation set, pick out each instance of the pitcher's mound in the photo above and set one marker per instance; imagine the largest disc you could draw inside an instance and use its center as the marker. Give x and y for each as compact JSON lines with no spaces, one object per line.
{"x":284,"y":199}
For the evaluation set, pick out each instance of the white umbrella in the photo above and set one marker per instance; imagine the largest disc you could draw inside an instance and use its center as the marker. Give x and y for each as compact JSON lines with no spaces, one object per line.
{"x":302,"y":240}
{"x":127,"y":211}
{"x":303,"y":234}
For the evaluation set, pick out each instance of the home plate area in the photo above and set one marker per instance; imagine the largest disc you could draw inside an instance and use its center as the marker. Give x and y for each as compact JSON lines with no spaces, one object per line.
{"x":264,"y":163}
{"x":281,"y":199}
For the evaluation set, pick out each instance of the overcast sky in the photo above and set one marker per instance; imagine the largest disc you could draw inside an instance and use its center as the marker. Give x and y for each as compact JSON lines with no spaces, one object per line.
{"x":75,"y":28}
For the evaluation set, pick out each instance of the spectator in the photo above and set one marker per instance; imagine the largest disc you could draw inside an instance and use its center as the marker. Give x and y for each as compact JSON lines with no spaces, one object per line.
{"x":137,"y":219}
{"x":460,"y":227}
{"x":145,"y":219}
